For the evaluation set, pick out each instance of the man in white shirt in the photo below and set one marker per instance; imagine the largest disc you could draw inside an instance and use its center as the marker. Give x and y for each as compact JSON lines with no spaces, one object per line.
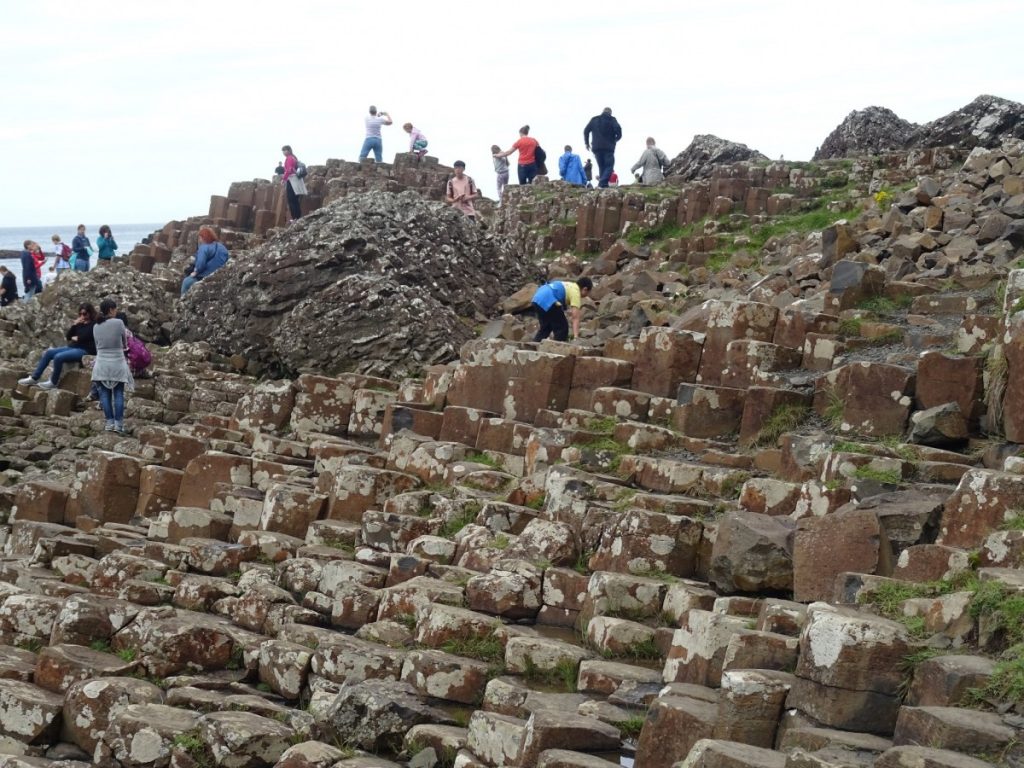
{"x":372,"y":141}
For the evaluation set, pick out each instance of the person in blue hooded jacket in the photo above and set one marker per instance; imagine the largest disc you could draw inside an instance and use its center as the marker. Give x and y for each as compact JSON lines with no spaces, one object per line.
{"x":570,"y":168}
{"x":211,"y":256}
{"x":549,"y":303}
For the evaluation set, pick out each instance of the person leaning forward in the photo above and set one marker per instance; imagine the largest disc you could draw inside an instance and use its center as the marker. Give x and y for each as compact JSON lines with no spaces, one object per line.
{"x":549,"y":304}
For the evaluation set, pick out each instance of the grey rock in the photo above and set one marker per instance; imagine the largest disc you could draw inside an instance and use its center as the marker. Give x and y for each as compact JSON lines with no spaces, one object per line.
{"x":864,"y":131}
{"x":985,"y":122}
{"x":705,"y":151}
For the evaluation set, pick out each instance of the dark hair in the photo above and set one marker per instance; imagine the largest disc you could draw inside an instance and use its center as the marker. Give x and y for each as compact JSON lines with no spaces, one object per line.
{"x":525,"y":130}
{"x":458,"y":164}
{"x":568,"y":148}
{"x":89,"y":309}
{"x":373,"y":110}
{"x":105,"y":306}
{"x":286,"y":148}
{"x":585,"y":284}
{"x":105,"y":230}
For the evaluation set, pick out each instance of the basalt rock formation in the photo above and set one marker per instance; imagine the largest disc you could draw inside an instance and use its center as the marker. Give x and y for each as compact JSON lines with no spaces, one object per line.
{"x":764,"y":511}
{"x":866,"y":131}
{"x":376,"y":283}
{"x":985,"y":122}
{"x":699,"y":159}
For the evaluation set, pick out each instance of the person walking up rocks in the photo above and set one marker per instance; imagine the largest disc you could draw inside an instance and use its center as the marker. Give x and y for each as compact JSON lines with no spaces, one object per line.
{"x":571,"y":169}
{"x":652,"y":164}
{"x":374,"y":121}
{"x":600,"y":136}
{"x":549,"y":303}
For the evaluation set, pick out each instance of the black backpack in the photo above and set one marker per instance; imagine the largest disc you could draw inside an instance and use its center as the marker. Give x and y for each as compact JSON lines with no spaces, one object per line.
{"x":300,"y":169}
{"x":540,"y":155}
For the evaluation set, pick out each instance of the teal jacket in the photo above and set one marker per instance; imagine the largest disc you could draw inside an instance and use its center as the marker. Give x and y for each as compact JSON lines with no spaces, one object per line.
{"x":106,"y":246}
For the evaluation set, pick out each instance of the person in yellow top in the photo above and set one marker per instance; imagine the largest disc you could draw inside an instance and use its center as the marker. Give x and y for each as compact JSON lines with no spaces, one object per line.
{"x":549,"y":303}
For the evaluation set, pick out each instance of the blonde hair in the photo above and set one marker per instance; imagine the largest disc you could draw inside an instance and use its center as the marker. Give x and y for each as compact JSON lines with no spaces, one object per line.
{"x":56,"y":238}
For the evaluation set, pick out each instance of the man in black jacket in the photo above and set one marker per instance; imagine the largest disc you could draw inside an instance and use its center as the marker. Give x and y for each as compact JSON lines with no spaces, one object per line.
{"x":29,"y":276}
{"x":606,"y":132}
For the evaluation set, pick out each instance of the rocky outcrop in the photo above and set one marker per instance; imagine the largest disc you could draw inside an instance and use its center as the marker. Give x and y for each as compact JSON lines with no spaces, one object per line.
{"x":697,"y":161}
{"x":379,"y":283}
{"x":866,"y":131}
{"x":985,"y":122}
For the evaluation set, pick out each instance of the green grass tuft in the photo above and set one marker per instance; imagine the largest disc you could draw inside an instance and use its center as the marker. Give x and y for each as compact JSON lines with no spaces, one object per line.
{"x":460,"y":521}
{"x":890,"y":476}
{"x":487,"y":648}
{"x":630,"y":729}
{"x":785,"y":418}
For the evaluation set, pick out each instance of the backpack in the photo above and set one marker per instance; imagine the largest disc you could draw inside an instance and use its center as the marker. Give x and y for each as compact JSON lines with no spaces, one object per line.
{"x":539,"y":155}
{"x":139,"y":357}
{"x":300,"y":170}
{"x":65,"y":252}
{"x":450,"y":191}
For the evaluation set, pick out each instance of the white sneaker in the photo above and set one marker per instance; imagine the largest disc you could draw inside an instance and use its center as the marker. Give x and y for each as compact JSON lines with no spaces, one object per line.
{"x":28,"y":381}
{"x":47,"y":385}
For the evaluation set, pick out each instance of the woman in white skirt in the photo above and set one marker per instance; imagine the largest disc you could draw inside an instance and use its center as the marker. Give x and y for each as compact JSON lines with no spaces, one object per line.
{"x":110,"y":371}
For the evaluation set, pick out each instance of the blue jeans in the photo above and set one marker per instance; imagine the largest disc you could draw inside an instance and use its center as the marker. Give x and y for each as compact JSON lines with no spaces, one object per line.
{"x":527,"y":173}
{"x":30,"y":292}
{"x":187,"y":283}
{"x":374,"y":143}
{"x":58,"y":356}
{"x":112,"y":402}
{"x":81,"y":265}
{"x":605,"y":165}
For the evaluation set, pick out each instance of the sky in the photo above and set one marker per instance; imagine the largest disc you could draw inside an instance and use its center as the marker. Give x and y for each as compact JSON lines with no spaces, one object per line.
{"x":119,"y":111}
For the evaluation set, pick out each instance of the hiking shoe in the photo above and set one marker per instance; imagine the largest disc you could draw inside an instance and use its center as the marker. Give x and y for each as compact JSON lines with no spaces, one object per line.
{"x":47,"y":385}
{"x":28,"y":381}
{"x":110,"y":427}
{"x":119,"y":428}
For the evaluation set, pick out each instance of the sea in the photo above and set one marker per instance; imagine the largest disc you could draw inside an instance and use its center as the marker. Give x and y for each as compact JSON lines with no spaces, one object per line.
{"x":13,"y":239}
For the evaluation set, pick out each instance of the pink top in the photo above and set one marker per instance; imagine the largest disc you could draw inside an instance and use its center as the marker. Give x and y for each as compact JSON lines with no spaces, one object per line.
{"x":290,"y":163}
{"x":415,"y":135}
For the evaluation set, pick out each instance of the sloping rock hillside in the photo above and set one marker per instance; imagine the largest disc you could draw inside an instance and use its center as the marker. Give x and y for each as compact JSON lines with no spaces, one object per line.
{"x":379,"y":283}
{"x":985,"y":122}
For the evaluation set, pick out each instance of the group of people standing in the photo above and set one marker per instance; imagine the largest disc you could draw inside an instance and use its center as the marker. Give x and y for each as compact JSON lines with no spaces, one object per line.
{"x":76,"y":257}
{"x":103,"y":334}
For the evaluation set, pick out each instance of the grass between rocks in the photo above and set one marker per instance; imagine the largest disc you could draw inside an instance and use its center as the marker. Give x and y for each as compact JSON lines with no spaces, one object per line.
{"x":561,"y":677}
{"x":631,"y":728}
{"x":834,"y":410}
{"x":785,"y":418}
{"x":645,"y":650}
{"x":191,"y":742}
{"x":604,"y":453}
{"x":460,"y":521}
{"x":483,"y":458}
{"x":888,"y":476}
{"x":664,"y":231}
{"x":487,"y":648}
{"x":882,"y":305}
{"x":1013,"y":523}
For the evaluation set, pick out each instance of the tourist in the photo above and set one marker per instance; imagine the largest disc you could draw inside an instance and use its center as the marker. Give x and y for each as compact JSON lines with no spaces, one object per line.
{"x":500,"y":169}
{"x":80,"y":338}
{"x":29,"y":277}
{"x":527,"y":149}
{"x":82,"y":249}
{"x":374,"y":121}
{"x":110,"y":370}
{"x":549,"y":303}
{"x":8,"y":287}
{"x":210,"y":256}
{"x":588,"y":171}
{"x":570,"y":168}
{"x":39,"y":259}
{"x":461,"y":191}
{"x":600,"y":136}
{"x":294,"y":186}
{"x":105,"y":244}
{"x":61,"y":254}
{"x":417,"y":141}
{"x":652,"y":164}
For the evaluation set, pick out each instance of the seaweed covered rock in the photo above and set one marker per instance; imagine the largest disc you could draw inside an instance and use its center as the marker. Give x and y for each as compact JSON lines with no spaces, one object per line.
{"x":379,"y":283}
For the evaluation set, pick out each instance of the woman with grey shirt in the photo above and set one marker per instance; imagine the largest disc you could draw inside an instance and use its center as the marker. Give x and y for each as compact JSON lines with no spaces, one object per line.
{"x":111,"y":372}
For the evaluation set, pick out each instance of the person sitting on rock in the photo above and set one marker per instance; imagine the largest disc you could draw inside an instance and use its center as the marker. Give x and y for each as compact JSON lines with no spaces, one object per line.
{"x":549,"y":304}
{"x":461,"y":191}
{"x":8,"y":287}
{"x":80,"y":336}
{"x":210,"y":256}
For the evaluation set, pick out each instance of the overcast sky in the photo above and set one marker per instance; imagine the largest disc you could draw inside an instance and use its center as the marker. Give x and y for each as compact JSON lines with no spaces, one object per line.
{"x":127,"y":112}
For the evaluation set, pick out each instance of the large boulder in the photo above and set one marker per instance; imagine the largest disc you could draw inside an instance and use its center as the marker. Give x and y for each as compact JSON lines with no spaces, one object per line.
{"x":698,"y":160}
{"x":985,"y":122}
{"x":865,"y":131}
{"x":378,"y":283}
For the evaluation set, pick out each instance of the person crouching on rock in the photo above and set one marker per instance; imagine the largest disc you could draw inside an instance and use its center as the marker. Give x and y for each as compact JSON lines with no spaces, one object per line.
{"x":111,"y":370}
{"x":549,"y":303}
{"x":210,"y":256}
{"x":80,"y":336}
